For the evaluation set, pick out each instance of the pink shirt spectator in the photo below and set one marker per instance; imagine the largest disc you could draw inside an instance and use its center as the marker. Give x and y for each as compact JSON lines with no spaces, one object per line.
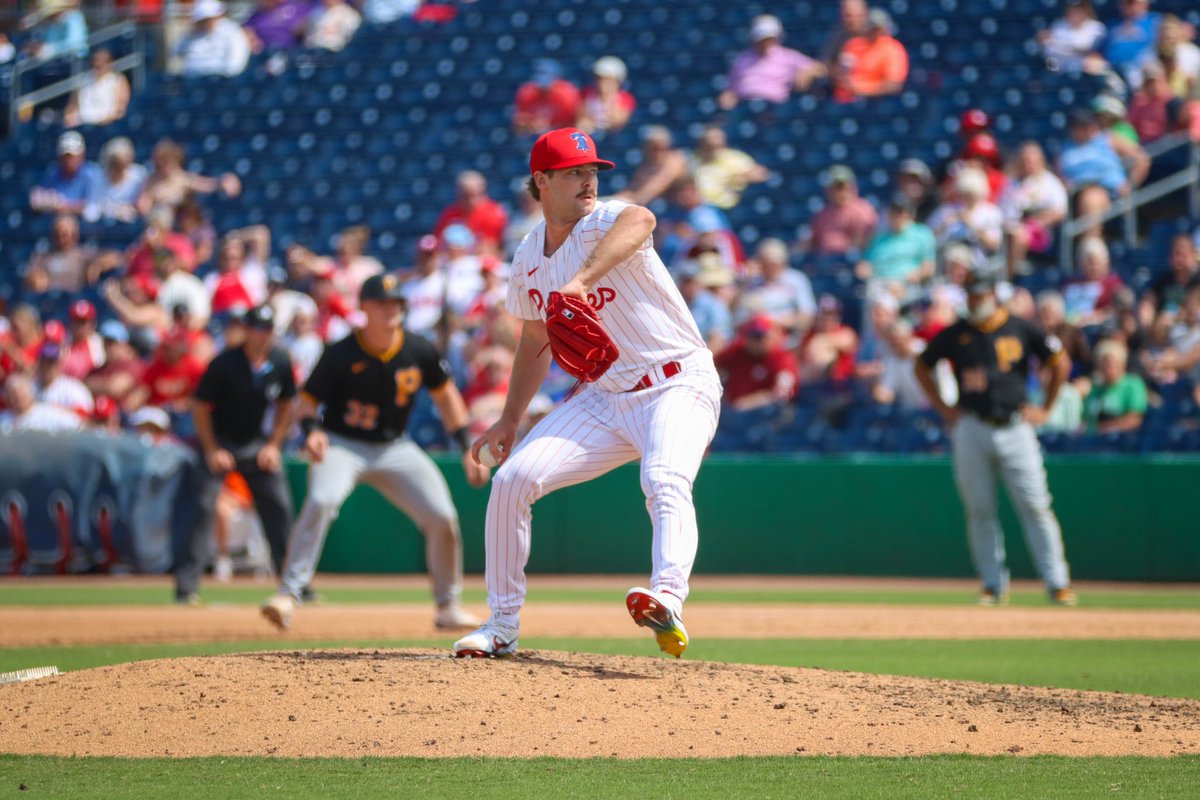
{"x":837,"y":230}
{"x":770,"y":76}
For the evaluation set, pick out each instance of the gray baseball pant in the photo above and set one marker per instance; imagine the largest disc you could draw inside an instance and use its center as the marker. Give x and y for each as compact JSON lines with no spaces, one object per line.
{"x":405,"y":475}
{"x":1011,"y":452}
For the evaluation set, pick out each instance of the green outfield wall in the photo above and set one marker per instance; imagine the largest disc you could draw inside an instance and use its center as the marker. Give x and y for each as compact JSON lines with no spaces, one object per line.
{"x":1123,"y":518}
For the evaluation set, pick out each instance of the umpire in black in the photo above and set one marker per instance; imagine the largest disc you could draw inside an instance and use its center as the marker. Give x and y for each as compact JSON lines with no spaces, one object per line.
{"x":229,"y":408}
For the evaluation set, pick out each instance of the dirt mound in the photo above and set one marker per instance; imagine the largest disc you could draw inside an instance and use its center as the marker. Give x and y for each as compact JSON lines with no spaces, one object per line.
{"x":543,"y":703}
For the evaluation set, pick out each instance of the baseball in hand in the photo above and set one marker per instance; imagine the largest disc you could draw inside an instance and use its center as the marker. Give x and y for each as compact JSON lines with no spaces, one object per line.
{"x":486,"y":458}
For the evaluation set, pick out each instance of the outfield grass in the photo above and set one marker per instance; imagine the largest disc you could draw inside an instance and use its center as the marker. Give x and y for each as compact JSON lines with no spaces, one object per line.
{"x":30,"y":593}
{"x":1144,"y":667}
{"x":997,"y":778}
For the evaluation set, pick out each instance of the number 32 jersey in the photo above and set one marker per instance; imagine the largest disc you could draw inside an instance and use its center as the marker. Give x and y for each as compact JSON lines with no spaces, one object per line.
{"x":368,"y":395}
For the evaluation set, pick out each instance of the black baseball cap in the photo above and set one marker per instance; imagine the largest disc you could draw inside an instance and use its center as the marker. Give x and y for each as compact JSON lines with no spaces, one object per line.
{"x":261,"y":317}
{"x":381,"y":287}
{"x":982,"y":280}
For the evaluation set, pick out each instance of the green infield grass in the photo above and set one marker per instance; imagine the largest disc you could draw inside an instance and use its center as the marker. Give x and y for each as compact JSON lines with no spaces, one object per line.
{"x":31,"y":593}
{"x":997,"y":778}
{"x":1160,"y":667}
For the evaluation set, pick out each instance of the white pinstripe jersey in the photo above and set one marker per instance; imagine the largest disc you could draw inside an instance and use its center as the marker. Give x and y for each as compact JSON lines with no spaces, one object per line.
{"x":637,"y":301}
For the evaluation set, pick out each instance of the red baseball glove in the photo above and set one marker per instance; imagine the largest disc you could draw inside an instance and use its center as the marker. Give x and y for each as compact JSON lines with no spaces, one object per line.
{"x":578,"y":341}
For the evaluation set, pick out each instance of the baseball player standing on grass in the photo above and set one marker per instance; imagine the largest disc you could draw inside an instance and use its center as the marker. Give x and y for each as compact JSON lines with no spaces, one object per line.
{"x":659,"y":400}
{"x":353,"y":410}
{"x":992,"y":431}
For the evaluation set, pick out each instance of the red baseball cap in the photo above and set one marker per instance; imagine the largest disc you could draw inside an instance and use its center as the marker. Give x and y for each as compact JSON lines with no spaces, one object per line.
{"x":982,"y":145}
{"x":564,"y":148}
{"x":105,"y":408}
{"x":82,"y":309}
{"x":54,"y":331}
{"x":974,"y":120}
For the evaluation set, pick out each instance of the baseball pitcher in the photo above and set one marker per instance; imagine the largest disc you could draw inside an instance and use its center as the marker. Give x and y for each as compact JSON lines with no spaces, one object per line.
{"x":649,"y":389}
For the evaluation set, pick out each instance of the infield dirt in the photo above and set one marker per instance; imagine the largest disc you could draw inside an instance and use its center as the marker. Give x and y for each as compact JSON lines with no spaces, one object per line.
{"x":424,"y":703}
{"x":542,"y":703}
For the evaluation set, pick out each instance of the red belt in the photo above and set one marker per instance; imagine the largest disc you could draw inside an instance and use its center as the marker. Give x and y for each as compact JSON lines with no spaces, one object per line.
{"x":669,"y":370}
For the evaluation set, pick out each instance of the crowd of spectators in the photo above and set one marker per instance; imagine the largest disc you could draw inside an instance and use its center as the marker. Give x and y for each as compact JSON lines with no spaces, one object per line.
{"x":151,"y":315}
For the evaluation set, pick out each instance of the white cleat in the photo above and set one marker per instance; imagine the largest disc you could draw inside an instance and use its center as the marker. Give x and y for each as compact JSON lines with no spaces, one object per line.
{"x":452,"y":617}
{"x":489,"y":640}
{"x":279,"y":610}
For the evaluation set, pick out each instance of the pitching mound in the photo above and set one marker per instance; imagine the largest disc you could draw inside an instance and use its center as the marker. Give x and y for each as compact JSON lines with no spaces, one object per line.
{"x":542,"y":703}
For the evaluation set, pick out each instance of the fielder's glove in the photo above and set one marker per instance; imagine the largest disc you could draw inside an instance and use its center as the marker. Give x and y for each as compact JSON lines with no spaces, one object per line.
{"x":578,"y":341}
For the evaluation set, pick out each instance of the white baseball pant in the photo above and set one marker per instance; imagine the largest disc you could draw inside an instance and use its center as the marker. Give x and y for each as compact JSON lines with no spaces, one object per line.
{"x":668,"y":425}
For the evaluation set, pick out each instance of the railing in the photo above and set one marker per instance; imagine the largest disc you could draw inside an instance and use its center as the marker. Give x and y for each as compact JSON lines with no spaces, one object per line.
{"x":1126,"y":207}
{"x":20,"y":106}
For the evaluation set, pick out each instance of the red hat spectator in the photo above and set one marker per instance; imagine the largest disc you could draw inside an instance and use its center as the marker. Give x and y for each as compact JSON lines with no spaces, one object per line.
{"x":105,"y":408}
{"x":758,"y":325}
{"x":82,"y":310}
{"x":983,"y":146}
{"x":972,"y":121}
{"x":758,"y":369}
{"x":54,"y":332}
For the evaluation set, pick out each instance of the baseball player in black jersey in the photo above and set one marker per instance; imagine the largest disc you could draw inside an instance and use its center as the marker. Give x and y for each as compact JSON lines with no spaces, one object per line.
{"x":354,"y":409}
{"x":229,"y":407}
{"x":992,"y":431}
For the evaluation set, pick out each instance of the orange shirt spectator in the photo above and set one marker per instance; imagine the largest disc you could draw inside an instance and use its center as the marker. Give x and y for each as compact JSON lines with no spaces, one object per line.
{"x":545,"y":102}
{"x":873,"y":65}
{"x":486,"y":218}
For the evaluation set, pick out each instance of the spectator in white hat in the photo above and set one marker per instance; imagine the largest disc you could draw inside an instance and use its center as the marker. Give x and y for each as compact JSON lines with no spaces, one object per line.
{"x":767,"y":70}
{"x":605,"y":105}
{"x":332,"y":25}
{"x":216,"y":44}
{"x":72,"y":184}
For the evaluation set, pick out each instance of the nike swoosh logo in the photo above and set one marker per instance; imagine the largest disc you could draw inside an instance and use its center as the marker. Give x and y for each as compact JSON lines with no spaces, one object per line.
{"x":535,"y":269}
